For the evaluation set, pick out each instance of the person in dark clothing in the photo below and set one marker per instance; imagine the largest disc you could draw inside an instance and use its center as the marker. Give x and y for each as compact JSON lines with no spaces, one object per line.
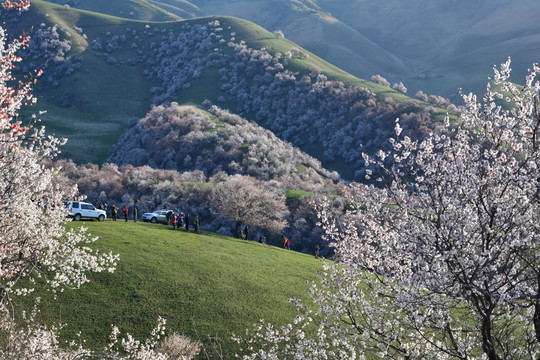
{"x":114,"y":211}
{"x":196,"y":224}
{"x":262,"y":239}
{"x":135,"y":213}
{"x":186,"y":220}
{"x":180,"y":220}
{"x":168,"y":217}
{"x":317,"y":251}
{"x":246,"y":233}
{"x":283,"y":241}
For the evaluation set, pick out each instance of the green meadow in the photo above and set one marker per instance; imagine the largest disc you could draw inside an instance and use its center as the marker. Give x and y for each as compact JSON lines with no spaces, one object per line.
{"x":207,"y":286}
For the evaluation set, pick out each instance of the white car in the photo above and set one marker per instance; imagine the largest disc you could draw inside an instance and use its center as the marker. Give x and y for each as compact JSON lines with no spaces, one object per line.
{"x":158,"y":216}
{"x":80,"y":210}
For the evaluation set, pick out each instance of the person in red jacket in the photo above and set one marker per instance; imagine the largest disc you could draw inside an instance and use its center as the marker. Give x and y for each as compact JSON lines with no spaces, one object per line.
{"x":125,"y":210}
{"x":174,"y":221}
{"x":287,"y":243}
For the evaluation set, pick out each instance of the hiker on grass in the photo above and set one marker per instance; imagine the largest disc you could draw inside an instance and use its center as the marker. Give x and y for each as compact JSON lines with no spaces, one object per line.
{"x":174,"y":221}
{"x":287,"y":243}
{"x":125,"y":211}
{"x":283,"y":241}
{"x":180,"y":220}
{"x":135,"y":213}
{"x":246,"y":233}
{"x":114,"y":211}
{"x":317,"y":251}
{"x":196,"y":223}
{"x":186,"y":222}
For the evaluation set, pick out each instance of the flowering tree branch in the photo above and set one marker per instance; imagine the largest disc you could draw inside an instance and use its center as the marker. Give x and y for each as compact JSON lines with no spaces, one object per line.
{"x":439,"y":261}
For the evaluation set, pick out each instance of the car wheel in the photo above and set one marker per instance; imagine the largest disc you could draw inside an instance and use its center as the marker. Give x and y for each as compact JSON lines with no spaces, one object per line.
{"x":154,"y":220}
{"x":77,"y":217}
{"x":101,"y":217}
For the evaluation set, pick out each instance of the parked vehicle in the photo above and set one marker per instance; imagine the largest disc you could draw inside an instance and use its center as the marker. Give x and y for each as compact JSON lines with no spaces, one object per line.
{"x":81,"y":210}
{"x":158,"y":216}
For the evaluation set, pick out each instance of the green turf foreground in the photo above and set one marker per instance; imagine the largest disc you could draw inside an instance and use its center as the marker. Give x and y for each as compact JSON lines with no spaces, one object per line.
{"x":206,"y":285}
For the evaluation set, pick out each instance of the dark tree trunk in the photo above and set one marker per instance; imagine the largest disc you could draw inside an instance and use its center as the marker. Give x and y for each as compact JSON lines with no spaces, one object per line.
{"x":536,"y":318}
{"x":237,"y":229}
{"x":488,"y":343}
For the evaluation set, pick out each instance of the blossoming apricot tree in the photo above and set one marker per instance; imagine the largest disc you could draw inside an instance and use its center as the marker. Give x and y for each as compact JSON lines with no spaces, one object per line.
{"x":239,"y":199}
{"x":34,"y":243}
{"x":33,"y":240}
{"x":440,"y":260}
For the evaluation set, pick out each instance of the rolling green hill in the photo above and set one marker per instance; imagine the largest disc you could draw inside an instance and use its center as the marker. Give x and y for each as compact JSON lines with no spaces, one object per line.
{"x":436,"y":47}
{"x":130,"y":9}
{"x":206,"y":285}
{"x":104,"y":70}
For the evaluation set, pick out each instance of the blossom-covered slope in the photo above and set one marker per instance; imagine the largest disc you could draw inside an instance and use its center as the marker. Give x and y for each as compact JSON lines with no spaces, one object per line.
{"x":434,"y":46}
{"x":102,"y":71}
{"x":185,"y":138}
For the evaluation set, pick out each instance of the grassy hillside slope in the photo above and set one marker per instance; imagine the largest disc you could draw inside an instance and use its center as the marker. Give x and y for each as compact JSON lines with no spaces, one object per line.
{"x":130,"y":9}
{"x":205,"y":285}
{"x":436,"y":47}
{"x":448,"y":44}
{"x":92,"y":104}
{"x":317,"y":30}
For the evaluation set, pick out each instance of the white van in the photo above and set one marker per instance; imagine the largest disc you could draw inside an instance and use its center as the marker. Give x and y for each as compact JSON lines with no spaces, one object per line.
{"x":80,"y":210}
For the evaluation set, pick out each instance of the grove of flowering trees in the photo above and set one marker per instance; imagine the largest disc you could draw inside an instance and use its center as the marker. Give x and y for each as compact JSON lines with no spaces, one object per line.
{"x":194,"y":193}
{"x":439,"y":259}
{"x":306,"y":108}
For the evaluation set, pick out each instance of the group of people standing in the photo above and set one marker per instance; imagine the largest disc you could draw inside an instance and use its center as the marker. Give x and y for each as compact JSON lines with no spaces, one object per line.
{"x":180,"y":220}
{"x":125,"y":211}
{"x":177,"y":220}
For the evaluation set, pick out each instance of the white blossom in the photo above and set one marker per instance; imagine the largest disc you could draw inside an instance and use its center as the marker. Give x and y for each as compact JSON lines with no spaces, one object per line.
{"x":441,"y":263}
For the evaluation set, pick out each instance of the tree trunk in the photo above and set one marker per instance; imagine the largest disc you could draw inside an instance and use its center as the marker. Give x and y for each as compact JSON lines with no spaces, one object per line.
{"x":536,"y":318}
{"x":488,"y":344}
{"x":237,"y":229}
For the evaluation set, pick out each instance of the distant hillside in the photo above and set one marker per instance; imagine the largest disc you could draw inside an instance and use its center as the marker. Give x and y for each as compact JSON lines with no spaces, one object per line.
{"x":185,"y":138}
{"x":433,"y":46}
{"x":446,"y":44}
{"x":129,"y":9}
{"x":102,"y":71}
{"x":207,"y":286}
